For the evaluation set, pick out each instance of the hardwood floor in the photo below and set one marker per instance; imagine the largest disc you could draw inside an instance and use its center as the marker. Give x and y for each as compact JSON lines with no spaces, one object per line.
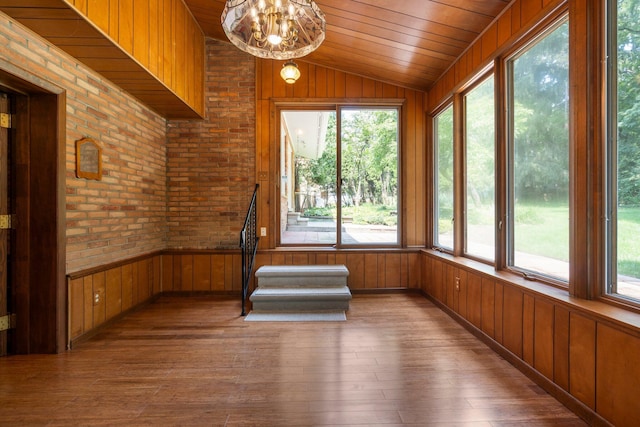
{"x":397,"y":360}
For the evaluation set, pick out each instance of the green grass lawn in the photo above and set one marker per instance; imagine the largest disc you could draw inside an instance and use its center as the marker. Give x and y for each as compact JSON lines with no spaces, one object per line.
{"x":545,"y":231}
{"x":542,"y":231}
{"x":539,"y":230}
{"x":629,"y":241}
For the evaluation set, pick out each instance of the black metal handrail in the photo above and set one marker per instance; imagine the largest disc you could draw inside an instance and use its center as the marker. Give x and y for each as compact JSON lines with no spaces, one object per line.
{"x":249,"y":245}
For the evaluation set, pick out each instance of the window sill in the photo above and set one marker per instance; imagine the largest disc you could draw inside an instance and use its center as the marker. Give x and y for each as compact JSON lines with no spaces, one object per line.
{"x":334,"y":249}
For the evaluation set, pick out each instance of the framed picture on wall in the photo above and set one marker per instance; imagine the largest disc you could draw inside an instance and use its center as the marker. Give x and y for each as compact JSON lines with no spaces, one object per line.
{"x":88,"y":159}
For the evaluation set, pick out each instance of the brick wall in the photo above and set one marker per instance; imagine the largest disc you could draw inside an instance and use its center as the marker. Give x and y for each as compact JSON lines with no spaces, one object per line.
{"x":211,"y":163}
{"x":123,"y":215}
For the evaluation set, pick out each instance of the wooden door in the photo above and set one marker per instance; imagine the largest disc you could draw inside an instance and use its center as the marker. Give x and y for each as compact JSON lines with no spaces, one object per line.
{"x":4,"y":222}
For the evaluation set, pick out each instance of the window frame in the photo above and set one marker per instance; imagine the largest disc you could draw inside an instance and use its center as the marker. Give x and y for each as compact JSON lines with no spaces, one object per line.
{"x":338,"y":106}
{"x":479,"y":79}
{"x":589,"y":170}
{"x":503,"y":157}
{"x":610,"y":150}
{"x":506,"y":203}
{"x":435,"y":243}
{"x":608,"y":290}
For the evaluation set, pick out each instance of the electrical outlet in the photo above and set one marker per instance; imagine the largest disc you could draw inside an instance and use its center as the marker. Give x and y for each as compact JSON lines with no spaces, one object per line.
{"x":263,"y":231}
{"x":96,"y":298}
{"x":458,"y":284}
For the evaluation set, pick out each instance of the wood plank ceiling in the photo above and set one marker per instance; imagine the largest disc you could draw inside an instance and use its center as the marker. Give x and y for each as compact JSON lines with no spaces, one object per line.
{"x":69,"y":29}
{"x":409,"y":43}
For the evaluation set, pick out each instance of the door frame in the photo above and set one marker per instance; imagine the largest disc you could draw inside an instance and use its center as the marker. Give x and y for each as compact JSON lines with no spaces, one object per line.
{"x":39,"y":138}
{"x":276,"y":107}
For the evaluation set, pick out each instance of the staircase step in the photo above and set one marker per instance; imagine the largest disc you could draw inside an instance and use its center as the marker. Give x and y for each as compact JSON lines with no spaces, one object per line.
{"x":301,"y":299}
{"x":302,"y":276}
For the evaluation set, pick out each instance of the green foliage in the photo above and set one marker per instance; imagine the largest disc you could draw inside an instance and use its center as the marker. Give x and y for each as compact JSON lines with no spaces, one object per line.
{"x":372,"y":214}
{"x":444,"y":225}
{"x":328,"y":212}
{"x":369,"y":156}
{"x":527,"y":214}
{"x":628,"y":72}
{"x":369,"y":168}
{"x":541,"y":119}
{"x":482,"y":215}
{"x":363,"y":214}
{"x":480,"y":144}
{"x":444,"y":168}
{"x":322,"y":171}
{"x":628,"y":242}
{"x":444,"y":148}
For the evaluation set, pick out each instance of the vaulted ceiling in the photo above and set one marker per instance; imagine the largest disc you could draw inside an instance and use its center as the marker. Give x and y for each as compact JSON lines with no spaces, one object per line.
{"x":409,"y":43}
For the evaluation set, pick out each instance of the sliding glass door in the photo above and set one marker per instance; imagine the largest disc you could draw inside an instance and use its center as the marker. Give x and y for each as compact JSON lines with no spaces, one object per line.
{"x":308,"y":169}
{"x":339,"y":176}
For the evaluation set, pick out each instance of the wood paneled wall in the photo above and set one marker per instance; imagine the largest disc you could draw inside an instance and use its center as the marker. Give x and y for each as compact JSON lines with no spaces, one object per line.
{"x":101,"y":294}
{"x":198,"y":271}
{"x":161,"y":35}
{"x":368,"y":270}
{"x":318,"y":84}
{"x":577,"y":345}
{"x":220,"y":271}
{"x":509,"y":26}
{"x":153,"y":49}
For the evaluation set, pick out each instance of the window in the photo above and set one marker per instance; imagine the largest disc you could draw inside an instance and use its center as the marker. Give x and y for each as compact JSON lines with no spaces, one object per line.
{"x":538,"y":199}
{"x":443,"y":137}
{"x":308,"y":173}
{"x":479,"y":116}
{"x":623,"y":151}
{"x":339,"y":176}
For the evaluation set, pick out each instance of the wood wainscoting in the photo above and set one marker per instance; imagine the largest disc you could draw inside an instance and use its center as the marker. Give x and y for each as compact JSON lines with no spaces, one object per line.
{"x":582,"y":352}
{"x":104,"y":293}
{"x":220,"y":271}
{"x":368,"y":269}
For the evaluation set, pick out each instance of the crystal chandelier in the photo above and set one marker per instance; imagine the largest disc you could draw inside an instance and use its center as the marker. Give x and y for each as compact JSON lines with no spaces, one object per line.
{"x":276,"y":29}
